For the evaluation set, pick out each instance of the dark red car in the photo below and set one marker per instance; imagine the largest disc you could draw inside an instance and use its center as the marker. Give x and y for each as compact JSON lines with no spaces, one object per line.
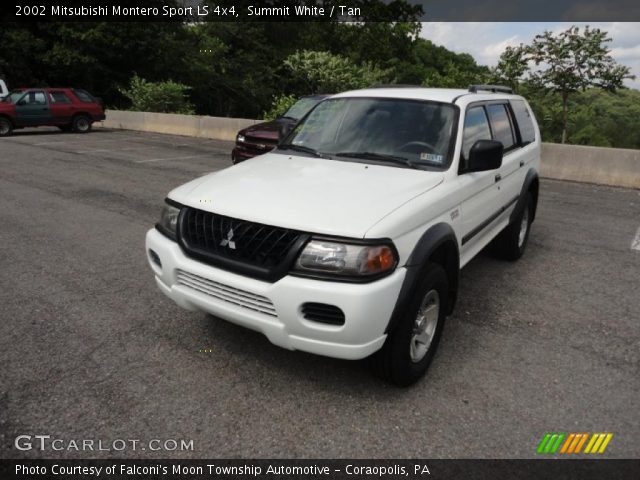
{"x":263,"y":137}
{"x":69,"y":109}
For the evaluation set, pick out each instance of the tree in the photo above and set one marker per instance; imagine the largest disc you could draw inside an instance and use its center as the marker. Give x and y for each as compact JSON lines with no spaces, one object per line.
{"x":572,"y":61}
{"x":513,"y":64}
{"x":323,"y":72}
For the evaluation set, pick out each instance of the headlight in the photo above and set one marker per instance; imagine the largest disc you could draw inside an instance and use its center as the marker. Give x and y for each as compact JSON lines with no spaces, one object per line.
{"x":346,"y":260}
{"x":169,"y":220}
{"x":240,"y":138}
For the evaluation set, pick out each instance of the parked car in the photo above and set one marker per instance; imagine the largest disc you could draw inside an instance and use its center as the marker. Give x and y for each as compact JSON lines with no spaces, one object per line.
{"x":263,"y":137}
{"x":4,"y":91}
{"x":348,"y":239}
{"x":69,"y":109}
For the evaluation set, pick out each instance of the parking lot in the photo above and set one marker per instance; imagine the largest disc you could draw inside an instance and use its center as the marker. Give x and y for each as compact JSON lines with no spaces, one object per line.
{"x":91,"y":349}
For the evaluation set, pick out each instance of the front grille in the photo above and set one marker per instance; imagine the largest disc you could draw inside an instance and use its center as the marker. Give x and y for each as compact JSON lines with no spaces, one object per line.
{"x":260,"y":143}
{"x":323,"y":313}
{"x":227,"y":294}
{"x":236,"y":244}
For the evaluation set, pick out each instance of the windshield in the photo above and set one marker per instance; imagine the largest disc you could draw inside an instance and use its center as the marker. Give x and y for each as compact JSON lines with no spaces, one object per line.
{"x":301,"y":107}
{"x":13,"y":97}
{"x":386,"y":130}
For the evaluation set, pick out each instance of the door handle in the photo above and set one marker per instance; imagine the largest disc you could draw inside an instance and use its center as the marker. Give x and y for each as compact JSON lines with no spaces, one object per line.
{"x":498,"y":177}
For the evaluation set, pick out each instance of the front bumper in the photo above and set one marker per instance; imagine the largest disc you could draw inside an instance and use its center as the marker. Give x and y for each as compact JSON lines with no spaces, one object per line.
{"x":274,"y":309}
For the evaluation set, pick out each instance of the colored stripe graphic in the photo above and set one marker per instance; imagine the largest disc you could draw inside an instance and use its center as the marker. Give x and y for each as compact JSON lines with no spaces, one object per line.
{"x":598,"y":442}
{"x":572,"y":443}
{"x":550,"y":443}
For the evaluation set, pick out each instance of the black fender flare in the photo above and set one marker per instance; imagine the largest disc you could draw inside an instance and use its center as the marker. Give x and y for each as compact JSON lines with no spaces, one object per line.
{"x":436,"y":236}
{"x":530,"y":178}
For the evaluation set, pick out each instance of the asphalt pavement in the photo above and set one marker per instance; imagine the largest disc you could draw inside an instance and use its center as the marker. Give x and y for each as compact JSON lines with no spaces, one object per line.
{"x":91,"y":349}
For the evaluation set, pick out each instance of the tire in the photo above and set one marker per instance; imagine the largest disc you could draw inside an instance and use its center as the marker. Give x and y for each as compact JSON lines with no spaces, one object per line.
{"x":405,"y":355}
{"x":6,"y":127}
{"x":511,"y":243}
{"x":81,"y":124}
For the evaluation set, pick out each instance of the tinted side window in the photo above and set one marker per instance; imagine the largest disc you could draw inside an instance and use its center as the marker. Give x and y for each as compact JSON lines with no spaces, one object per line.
{"x":34,"y":98}
{"x":525,"y":124}
{"x":501,"y":125}
{"x":476,"y":127}
{"x":83,"y":96}
{"x":59,"y":97}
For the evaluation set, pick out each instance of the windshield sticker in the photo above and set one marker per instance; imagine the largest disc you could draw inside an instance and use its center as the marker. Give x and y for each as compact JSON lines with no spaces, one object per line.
{"x":431,"y":157}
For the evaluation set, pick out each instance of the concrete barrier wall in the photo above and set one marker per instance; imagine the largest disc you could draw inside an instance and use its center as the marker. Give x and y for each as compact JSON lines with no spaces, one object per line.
{"x":604,"y":166}
{"x":219,"y":128}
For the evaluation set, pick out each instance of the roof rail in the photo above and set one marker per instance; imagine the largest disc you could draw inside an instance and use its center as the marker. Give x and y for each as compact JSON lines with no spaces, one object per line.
{"x":490,"y":88}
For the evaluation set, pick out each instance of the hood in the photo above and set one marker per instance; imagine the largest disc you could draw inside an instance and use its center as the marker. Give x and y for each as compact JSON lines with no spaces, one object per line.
{"x":315,"y":195}
{"x":266,"y":130}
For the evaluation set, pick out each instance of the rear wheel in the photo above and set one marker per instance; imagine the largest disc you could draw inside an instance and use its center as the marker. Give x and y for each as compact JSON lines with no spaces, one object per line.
{"x":81,"y":124}
{"x":6,"y":127}
{"x":512,"y":241}
{"x":411,"y":346}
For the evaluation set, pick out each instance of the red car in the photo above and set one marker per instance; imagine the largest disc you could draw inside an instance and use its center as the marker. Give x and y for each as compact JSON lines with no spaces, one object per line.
{"x":263,"y":137}
{"x":69,"y":109}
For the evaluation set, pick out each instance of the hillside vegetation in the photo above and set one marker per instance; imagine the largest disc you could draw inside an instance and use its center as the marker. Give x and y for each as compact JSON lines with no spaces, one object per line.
{"x":247,"y":69}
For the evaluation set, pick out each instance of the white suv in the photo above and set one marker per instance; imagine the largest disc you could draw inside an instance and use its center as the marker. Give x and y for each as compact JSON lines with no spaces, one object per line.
{"x":348,"y":239}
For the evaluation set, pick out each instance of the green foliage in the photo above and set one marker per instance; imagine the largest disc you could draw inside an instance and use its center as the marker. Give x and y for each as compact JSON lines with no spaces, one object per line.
{"x":453,"y":76}
{"x":324,"y":72}
{"x":513,"y":64}
{"x":280,"y":104}
{"x":163,"y":97}
{"x":596,"y":117}
{"x":250,"y":69}
{"x":574,"y":60}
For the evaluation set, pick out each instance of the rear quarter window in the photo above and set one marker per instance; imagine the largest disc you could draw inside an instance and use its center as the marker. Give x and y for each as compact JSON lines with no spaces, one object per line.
{"x":59,"y":97}
{"x":525,"y":122}
{"x":84,"y":96}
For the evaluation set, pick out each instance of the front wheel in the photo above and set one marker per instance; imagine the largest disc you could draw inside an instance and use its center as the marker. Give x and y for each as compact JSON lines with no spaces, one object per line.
{"x":81,"y":124}
{"x":6,"y":127}
{"x":411,"y":346}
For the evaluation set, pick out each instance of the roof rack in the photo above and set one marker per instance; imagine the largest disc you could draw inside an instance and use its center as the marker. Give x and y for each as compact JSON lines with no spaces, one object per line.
{"x":490,"y":88}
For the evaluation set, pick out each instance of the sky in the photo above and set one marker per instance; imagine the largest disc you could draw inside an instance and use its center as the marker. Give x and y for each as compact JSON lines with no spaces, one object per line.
{"x":485,"y":41}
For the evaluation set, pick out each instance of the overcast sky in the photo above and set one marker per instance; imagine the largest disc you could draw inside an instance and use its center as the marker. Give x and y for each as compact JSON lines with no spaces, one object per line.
{"x":487,"y":40}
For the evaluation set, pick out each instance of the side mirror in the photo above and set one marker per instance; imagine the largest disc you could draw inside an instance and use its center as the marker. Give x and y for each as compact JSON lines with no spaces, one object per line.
{"x":485,"y":155}
{"x":22,"y":102}
{"x":284,"y":130}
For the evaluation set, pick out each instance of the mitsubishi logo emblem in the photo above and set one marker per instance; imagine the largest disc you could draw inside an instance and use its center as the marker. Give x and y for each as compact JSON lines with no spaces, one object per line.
{"x":227,"y":241}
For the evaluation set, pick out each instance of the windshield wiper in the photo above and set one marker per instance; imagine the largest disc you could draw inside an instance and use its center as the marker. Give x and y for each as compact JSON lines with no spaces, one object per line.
{"x":378,"y":156}
{"x":301,"y":148}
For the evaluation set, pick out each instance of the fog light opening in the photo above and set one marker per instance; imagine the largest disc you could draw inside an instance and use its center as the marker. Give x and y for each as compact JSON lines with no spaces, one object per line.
{"x":155,"y":258}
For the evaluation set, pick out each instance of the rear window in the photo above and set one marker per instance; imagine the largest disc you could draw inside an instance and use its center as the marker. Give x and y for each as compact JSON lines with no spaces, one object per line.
{"x":84,"y":96}
{"x":525,"y":123}
{"x":501,"y":125}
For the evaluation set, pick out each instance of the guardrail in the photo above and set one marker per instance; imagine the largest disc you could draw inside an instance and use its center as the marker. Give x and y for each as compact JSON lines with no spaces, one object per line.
{"x":605,"y":166}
